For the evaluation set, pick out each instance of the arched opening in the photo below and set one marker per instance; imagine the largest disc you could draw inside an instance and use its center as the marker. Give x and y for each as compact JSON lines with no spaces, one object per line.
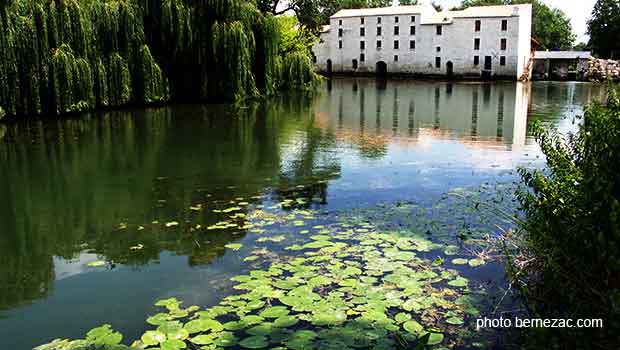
{"x":354,"y":64}
{"x":381,"y":69}
{"x":328,"y":70}
{"x":449,"y":69}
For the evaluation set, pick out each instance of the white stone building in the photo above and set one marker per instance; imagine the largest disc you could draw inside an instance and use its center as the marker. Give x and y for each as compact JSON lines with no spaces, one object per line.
{"x":487,"y":41}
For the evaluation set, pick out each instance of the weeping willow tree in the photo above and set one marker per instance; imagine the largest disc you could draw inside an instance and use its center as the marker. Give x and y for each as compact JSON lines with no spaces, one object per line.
{"x":60,"y":56}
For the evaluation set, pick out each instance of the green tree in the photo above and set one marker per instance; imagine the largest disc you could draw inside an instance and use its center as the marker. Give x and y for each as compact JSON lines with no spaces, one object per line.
{"x":604,"y":29}
{"x":550,"y":26}
{"x":407,"y":2}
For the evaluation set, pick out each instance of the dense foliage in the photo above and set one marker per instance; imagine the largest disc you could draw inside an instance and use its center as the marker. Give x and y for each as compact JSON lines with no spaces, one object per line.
{"x":604,"y":29}
{"x":73,"y":55}
{"x":573,"y":226}
{"x":550,"y":26}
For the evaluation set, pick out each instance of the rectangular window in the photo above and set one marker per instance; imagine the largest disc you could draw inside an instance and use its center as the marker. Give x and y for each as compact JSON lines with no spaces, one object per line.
{"x":340,"y":44}
{"x":378,"y":31}
{"x":362,"y":31}
{"x":412,"y":44}
{"x":502,"y":61}
{"x":396,"y":44}
{"x":340,"y":32}
{"x":478,"y":25}
{"x":438,"y":62}
{"x":395,"y":19}
{"x":362,"y":57}
{"x":412,"y":30}
{"x":378,"y":20}
{"x":412,"y":19}
{"x":362,"y":45}
{"x":395,"y":58}
{"x":439,"y":30}
{"x":477,"y":44}
{"x":396,"y":30}
{"x":362,"y":20}
{"x":503,"y":44}
{"x":476,"y":60}
{"x":438,"y":48}
{"x":340,"y":22}
{"x":378,"y":44}
{"x":504,"y":25}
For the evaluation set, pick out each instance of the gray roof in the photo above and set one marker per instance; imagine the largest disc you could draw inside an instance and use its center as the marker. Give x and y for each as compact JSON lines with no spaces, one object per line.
{"x":562,"y":55}
{"x":428,"y":12}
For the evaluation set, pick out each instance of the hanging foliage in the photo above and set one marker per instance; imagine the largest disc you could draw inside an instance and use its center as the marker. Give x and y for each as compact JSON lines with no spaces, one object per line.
{"x":74,"y":55}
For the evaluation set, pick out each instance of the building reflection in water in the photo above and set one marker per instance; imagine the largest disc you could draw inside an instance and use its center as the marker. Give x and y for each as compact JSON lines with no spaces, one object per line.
{"x":405,"y":109}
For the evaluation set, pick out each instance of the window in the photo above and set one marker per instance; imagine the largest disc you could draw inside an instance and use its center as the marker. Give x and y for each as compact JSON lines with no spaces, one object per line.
{"x":362,"y":20}
{"x":412,"y":19}
{"x":378,"y":44}
{"x":438,"y":62}
{"x":395,"y":58}
{"x":396,"y":30}
{"x":362,"y":45}
{"x":339,"y":22}
{"x":476,"y":60}
{"x":362,"y":57}
{"x":396,"y":44}
{"x":412,"y":44}
{"x":340,"y":44}
{"x":439,"y":30}
{"x":354,"y":63}
{"x":438,"y":48}
{"x":503,"y":44}
{"x":340,"y":32}
{"x":412,"y":30}
{"x":313,"y":58}
{"x":395,"y":19}
{"x":478,"y":25}
{"x":362,"y":31}
{"x":477,"y":44}
{"x":378,"y":31}
{"x":378,"y":20}
{"x":502,"y":61}
{"x":504,"y":25}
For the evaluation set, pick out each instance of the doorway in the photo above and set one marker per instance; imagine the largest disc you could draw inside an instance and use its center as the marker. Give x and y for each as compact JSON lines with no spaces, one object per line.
{"x":488,"y":67}
{"x":449,"y":69}
{"x":381,"y":69}
{"x":328,"y":70}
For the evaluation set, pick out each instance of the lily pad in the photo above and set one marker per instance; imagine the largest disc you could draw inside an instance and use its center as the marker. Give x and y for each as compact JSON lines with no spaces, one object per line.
{"x":234,"y":246}
{"x":254,"y":342}
{"x":153,"y":337}
{"x":274,"y":312}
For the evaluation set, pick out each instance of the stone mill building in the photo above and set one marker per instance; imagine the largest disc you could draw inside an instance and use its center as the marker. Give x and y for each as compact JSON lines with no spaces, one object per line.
{"x":478,"y":42}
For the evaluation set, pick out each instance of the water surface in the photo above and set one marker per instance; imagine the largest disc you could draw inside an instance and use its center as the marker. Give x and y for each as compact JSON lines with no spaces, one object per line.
{"x":89,"y":188}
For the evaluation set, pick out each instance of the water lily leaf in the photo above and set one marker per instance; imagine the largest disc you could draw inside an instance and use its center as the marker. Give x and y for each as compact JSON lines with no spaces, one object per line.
{"x":153,"y":337}
{"x":225,"y":339}
{"x":234,"y":246}
{"x":173,"y":344}
{"x":172,"y":224}
{"x":455,"y":320}
{"x":251,"y":319}
{"x":203,"y":325}
{"x":476,"y":262}
{"x":274,"y":312}
{"x":402,"y":317}
{"x":413,"y":327}
{"x":97,"y":263}
{"x":202,"y":339}
{"x":435,"y":338}
{"x":459,"y":261}
{"x":459,"y":282}
{"x":254,"y":342}
{"x":285,"y":321}
{"x":261,"y":329}
{"x":104,"y":335}
{"x":255,"y":304}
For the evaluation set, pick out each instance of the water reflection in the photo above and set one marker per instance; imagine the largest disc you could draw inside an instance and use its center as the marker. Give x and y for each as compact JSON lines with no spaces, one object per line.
{"x":405,"y":109}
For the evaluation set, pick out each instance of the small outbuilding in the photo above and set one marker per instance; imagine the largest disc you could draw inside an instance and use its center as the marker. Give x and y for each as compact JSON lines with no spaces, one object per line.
{"x":561,"y":65}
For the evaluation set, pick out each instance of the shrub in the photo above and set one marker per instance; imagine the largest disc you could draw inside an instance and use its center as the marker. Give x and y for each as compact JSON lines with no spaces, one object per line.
{"x":572,"y":226}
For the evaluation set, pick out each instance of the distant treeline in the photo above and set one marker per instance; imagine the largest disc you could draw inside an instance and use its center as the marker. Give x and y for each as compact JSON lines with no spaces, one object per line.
{"x":61,"y":56}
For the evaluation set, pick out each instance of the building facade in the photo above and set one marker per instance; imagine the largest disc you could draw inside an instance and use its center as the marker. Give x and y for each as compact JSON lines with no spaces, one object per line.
{"x":488,"y":41}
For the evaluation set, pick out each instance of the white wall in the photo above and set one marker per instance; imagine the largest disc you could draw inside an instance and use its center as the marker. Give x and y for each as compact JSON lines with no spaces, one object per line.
{"x":456,"y":43}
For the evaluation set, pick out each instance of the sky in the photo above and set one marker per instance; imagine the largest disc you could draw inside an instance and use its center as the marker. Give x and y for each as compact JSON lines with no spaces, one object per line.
{"x":577,"y":10}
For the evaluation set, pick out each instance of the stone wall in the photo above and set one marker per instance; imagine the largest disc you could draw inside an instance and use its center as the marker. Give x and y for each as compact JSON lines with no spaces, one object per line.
{"x":599,"y":70}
